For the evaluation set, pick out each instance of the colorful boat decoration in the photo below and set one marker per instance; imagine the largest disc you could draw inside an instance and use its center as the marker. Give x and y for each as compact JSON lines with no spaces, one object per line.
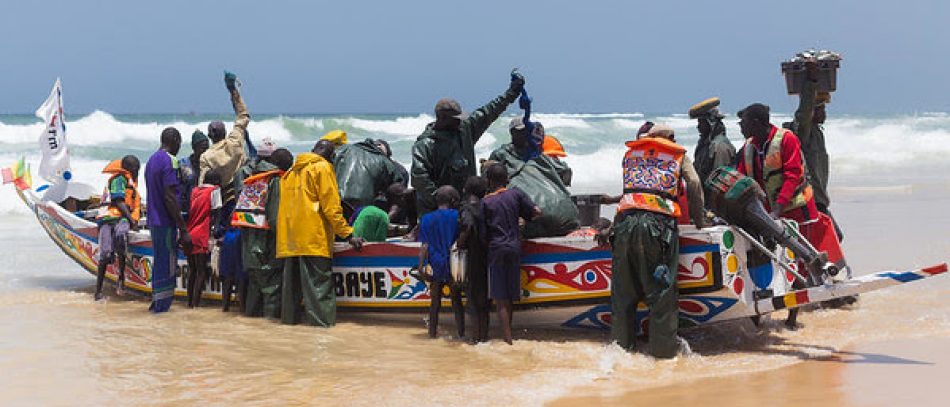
{"x":565,"y":281}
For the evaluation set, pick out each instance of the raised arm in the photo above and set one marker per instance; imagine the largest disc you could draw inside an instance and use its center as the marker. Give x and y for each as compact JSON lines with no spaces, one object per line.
{"x":239,"y":130}
{"x":804,"y":116}
{"x":478,"y":122}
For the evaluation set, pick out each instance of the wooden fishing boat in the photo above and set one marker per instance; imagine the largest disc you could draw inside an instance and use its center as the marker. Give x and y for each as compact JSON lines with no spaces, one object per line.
{"x":565,"y":281}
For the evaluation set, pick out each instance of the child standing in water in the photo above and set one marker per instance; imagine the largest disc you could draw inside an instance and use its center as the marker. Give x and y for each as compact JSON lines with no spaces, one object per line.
{"x":503,"y":206}
{"x":205,"y":203}
{"x":120,"y":212}
{"x":472,"y":237}
{"x":437,"y":232}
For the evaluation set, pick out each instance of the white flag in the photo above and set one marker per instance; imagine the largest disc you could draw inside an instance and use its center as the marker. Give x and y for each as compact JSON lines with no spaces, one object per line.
{"x":55,"y":164}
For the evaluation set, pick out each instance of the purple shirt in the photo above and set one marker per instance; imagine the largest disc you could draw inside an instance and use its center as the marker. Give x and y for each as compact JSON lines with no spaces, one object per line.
{"x":161,"y":171}
{"x":502,"y":210}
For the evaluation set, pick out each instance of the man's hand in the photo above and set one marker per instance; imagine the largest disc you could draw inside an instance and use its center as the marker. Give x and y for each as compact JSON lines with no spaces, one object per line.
{"x":517,"y":82}
{"x":217,"y":232}
{"x":603,"y":237}
{"x":811,"y":69}
{"x":356,"y":242}
{"x":229,"y":80}
{"x":609,"y":200}
{"x":185,"y":240}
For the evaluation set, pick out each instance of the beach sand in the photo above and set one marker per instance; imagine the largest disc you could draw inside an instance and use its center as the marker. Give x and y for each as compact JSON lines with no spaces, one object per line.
{"x":893,"y":349}
{"x":890,"y":373}
{"x":58,"y":347}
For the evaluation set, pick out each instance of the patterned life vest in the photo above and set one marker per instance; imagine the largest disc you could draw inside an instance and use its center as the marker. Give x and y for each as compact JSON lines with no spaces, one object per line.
{"x":773,"y":174}
{"x":651,"y":176}
{"x":249,"y":212}
{"x":131,"y":199}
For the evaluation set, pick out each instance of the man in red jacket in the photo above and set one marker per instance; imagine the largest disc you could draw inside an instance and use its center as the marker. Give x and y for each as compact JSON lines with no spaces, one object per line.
{"x":773,"y":157}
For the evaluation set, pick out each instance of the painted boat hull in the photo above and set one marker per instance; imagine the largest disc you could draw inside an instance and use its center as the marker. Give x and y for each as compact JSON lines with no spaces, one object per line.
{"x":565,"y":281}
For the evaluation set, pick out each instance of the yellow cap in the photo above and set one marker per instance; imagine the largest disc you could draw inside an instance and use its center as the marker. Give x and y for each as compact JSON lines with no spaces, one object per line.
{"x":337,"y":137}
{"x":703,"y":107}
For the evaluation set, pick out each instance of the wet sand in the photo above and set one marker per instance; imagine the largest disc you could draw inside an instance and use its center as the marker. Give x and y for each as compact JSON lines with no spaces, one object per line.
{"x":893,"y":349}
{"x":892,"y":373}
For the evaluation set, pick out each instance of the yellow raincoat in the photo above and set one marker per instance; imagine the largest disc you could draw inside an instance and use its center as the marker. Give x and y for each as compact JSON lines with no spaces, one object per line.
{"x":309,"y":213}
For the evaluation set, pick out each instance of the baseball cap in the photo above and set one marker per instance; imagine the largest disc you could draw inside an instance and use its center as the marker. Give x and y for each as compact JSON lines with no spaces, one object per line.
{"x":449,"y":107}
{"x":756,"y":111}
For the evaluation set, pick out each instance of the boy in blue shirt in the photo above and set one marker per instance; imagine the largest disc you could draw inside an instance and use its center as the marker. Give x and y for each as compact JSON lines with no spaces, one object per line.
{"x":438,"y":230}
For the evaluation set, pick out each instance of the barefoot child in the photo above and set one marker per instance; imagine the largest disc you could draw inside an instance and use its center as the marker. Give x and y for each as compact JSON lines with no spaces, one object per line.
{"x":120,"y":212}
{"x":472,"y":237}
{"x":205,"y":203}
{"x":503,"y":206}
{"x":437,"y":232}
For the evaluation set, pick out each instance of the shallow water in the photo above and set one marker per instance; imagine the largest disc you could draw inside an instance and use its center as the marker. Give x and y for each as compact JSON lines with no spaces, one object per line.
{"x":57,"y":346}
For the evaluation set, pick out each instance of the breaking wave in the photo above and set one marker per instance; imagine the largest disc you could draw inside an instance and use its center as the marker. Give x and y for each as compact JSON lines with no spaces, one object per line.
{"x":858,"y":144}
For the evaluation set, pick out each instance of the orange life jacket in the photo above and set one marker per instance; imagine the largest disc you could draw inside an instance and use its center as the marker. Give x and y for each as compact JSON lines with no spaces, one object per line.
{"x":651,"y":176}
{"x":250,"y":210}
{"x":131,"y":199}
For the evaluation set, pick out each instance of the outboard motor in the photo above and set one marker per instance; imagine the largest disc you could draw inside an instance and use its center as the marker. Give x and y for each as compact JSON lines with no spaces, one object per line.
{"x":738,"y":199}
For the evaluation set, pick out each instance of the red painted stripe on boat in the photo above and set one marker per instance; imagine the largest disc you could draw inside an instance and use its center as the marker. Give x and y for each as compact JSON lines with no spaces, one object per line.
{"x":801,"y":297}
{"x":684,"y":241}
{"x":933,"y":270}
{"x":536,"y":247}
{"x":376,"y":250}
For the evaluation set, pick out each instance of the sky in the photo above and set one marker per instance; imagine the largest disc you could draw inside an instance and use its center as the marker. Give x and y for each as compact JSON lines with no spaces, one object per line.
{"x":359,"y":56}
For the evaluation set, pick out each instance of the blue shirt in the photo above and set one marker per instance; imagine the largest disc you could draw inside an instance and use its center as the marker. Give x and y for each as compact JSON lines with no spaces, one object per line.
{"x":439,"y":229}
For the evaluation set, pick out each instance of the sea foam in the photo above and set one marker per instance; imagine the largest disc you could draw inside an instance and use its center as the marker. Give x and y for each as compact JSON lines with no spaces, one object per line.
{"x":857,"y":144}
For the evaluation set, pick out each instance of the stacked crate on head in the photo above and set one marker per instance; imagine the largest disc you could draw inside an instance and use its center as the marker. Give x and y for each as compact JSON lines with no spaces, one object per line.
{"x":794,"y":71}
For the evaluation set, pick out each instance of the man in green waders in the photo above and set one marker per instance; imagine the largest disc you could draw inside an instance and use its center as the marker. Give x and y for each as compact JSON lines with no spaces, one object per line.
{"x":645,"y":239}
{"x":309,"y":216}
{"x":256,"y":215}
